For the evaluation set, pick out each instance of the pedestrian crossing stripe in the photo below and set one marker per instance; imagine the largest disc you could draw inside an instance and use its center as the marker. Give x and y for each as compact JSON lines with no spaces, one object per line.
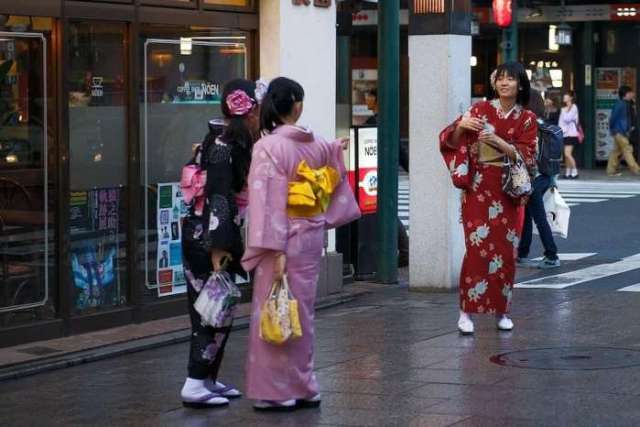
{"x":571,"y":256}
{"x":588,"y":274}
{"x":632,"y":288}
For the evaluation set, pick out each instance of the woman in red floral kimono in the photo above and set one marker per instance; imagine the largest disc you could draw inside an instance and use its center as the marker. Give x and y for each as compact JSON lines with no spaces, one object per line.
{"x":474,"y":149}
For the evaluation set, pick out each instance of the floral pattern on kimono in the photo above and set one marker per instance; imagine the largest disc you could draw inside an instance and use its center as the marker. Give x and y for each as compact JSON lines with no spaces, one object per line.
{"x":489,"y":216}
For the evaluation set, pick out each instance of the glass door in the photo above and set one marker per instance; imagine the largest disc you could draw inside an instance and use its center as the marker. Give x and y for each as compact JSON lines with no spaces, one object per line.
{"x":25,"y":219}
{"x":98,"y":164}
{"x":184,"y":74}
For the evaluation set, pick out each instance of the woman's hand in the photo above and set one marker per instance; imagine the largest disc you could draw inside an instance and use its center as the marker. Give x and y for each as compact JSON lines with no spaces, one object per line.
{"x":279,"y":267}
{"x":472,"y":124}
{"x":219,"y":258}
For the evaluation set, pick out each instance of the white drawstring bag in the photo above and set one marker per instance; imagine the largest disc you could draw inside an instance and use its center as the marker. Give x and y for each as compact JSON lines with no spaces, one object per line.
{"x":217,"y":300}
{"x":558,"y":213}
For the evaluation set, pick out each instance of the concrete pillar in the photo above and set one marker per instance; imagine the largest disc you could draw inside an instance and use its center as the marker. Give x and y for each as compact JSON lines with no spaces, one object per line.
{"x":299,"y":42}
{"x":439,"y":91}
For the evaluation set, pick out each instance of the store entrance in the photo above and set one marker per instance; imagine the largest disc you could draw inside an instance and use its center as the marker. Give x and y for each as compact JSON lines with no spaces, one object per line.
{"x":25,"y":220}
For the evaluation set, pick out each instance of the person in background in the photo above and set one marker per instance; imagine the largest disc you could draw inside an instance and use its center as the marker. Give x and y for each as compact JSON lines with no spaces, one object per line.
{"x":286,"y":237}
{"x":475,"y":149}
{"x":569,"y":122}
{"x":371,"y":98}
{"x":622,"y":126}
{"x":534,"y":211}
{"x":211,"y":235}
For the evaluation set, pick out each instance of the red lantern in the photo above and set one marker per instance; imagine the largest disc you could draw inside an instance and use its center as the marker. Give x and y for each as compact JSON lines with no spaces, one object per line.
{"x":502,"y":13}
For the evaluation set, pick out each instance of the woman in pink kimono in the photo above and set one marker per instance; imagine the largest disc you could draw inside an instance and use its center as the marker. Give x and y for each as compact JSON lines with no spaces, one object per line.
{"x":297,"y":190}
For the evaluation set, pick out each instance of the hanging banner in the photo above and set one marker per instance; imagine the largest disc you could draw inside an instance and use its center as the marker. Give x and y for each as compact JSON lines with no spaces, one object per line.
{"x":171,"y":211}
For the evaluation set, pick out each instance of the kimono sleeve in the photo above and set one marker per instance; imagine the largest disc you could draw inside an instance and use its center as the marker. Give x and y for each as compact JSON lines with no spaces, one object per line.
{"x":221,"y":229}
{"x":456,"y":159}
{"x":267,"y":213}
{"x":527,"y":143}
{"x":343,"y":208}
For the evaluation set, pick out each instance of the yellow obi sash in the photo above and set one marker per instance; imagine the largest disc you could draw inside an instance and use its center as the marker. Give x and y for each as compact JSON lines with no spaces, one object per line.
{"x":311,"y":196}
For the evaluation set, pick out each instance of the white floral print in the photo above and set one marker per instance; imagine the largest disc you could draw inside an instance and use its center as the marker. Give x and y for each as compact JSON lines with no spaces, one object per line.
{"x":461,"y":170}
{"x":512,"y":236}
{"x":495,"y":264}
{"x":477,"y":291}
{"x":477,"y":180}
{"x":495,"y":209}
{"x":478,"y":236}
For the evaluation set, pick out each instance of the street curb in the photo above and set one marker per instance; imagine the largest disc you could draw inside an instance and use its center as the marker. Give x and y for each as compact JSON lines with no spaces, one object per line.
{"x":68,"y":360}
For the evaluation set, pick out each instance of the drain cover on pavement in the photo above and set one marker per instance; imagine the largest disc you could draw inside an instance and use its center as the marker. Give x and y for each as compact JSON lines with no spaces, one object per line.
{"x":570,"y":358}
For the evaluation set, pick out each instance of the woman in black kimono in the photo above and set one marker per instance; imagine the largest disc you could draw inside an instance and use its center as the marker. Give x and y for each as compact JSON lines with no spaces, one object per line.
{"x":211,"y":234}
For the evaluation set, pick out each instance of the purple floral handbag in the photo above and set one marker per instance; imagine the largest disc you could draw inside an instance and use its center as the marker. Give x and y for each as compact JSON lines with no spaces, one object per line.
{"x":217,"y":300}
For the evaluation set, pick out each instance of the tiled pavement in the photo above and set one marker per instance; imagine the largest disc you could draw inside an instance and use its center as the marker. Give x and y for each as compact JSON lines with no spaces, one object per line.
{"x":391,"y":357}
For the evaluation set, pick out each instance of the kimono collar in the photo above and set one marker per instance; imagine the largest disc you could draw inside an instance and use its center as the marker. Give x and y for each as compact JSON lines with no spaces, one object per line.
{"x":296,"y":133}
{"x":516,"y":110}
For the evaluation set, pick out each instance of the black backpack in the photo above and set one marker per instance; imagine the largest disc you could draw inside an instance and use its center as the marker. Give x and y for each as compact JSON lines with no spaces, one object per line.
{"x":550,"y":146}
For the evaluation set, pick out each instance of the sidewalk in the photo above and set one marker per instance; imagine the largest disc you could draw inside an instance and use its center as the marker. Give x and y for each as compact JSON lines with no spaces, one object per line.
{"x":388,"y":358}
{"x":43,"y":356}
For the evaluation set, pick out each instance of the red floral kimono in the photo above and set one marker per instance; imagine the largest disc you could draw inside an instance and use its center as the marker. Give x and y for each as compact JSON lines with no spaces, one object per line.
{"x":489,"y":215}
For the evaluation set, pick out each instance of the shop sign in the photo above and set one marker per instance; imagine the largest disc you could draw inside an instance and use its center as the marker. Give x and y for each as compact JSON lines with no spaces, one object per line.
{"x":97,"y":87}
{"x":316,"y":3}
{"x":364,"y":178}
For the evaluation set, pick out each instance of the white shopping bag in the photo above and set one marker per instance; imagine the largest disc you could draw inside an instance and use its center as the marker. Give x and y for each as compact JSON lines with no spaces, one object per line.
{"x":558,"y":213}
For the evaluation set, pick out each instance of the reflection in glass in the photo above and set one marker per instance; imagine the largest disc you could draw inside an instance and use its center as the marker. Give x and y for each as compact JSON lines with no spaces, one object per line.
{"x":26,"y":128}
{"x":184,"y":74}
{"x":98,"y":165}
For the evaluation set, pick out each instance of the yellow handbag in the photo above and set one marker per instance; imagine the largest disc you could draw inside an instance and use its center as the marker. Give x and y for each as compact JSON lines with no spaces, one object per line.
{"x":280,"y":319}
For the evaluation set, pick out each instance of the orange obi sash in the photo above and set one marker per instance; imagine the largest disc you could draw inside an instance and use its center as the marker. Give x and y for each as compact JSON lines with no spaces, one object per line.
{"x":311,"y":196}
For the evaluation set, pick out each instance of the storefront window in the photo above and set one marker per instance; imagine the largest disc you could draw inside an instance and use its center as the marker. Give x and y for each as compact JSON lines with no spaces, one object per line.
{"x":27,"y":132}
{"x":98,"y":164}
{"x":183,"y":79}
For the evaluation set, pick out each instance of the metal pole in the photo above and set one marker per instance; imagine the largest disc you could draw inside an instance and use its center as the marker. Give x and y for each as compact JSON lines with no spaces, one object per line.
{"x":510,"y":37}
{"x":388,"y":138}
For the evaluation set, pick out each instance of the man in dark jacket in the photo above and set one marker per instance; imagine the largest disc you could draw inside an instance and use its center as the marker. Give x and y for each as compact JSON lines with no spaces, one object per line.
{"x":622,"y":124}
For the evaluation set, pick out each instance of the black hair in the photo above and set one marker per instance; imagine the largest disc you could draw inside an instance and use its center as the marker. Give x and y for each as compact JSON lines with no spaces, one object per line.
{"x":572,"y":94}
{"x":623,"y":91}
{"x":278,"y":102}
{"x":536,"y":103}
{"x":517,"y":71}
{"x":373,"y":92}
{"x":235,"y":132}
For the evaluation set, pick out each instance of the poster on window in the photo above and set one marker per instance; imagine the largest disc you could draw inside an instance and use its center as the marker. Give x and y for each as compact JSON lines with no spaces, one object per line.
{"x":171,"y":210}
{"x":95,"y":231}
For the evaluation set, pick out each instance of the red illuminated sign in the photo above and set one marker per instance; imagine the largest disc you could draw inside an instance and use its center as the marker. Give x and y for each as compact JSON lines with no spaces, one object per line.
{"x":502,"y":13}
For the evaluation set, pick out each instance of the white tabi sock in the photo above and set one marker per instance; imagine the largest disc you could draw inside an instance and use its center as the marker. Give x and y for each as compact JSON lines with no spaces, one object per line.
{"x":194,"y":389}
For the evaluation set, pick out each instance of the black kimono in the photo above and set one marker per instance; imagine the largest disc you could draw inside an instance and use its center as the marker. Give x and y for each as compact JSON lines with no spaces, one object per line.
{"x":217,"y":228}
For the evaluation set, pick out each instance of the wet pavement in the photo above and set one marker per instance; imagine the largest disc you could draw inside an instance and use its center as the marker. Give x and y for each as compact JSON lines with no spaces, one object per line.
{"x":390,"y":358}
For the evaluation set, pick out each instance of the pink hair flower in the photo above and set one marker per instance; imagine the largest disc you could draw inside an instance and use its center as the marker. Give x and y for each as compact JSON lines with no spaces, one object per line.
{"x":239,"y":103}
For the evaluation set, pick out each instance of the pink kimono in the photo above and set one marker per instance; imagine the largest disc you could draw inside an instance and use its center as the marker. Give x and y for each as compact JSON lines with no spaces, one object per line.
{"x":284,"y":372}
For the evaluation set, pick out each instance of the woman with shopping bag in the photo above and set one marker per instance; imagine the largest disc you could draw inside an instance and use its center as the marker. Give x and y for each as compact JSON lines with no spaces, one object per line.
{"x":214,"y":187}
{"x":297,"y":190}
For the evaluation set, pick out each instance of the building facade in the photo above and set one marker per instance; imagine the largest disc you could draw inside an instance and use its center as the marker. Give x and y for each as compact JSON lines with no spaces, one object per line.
{"x":101,"y":103}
